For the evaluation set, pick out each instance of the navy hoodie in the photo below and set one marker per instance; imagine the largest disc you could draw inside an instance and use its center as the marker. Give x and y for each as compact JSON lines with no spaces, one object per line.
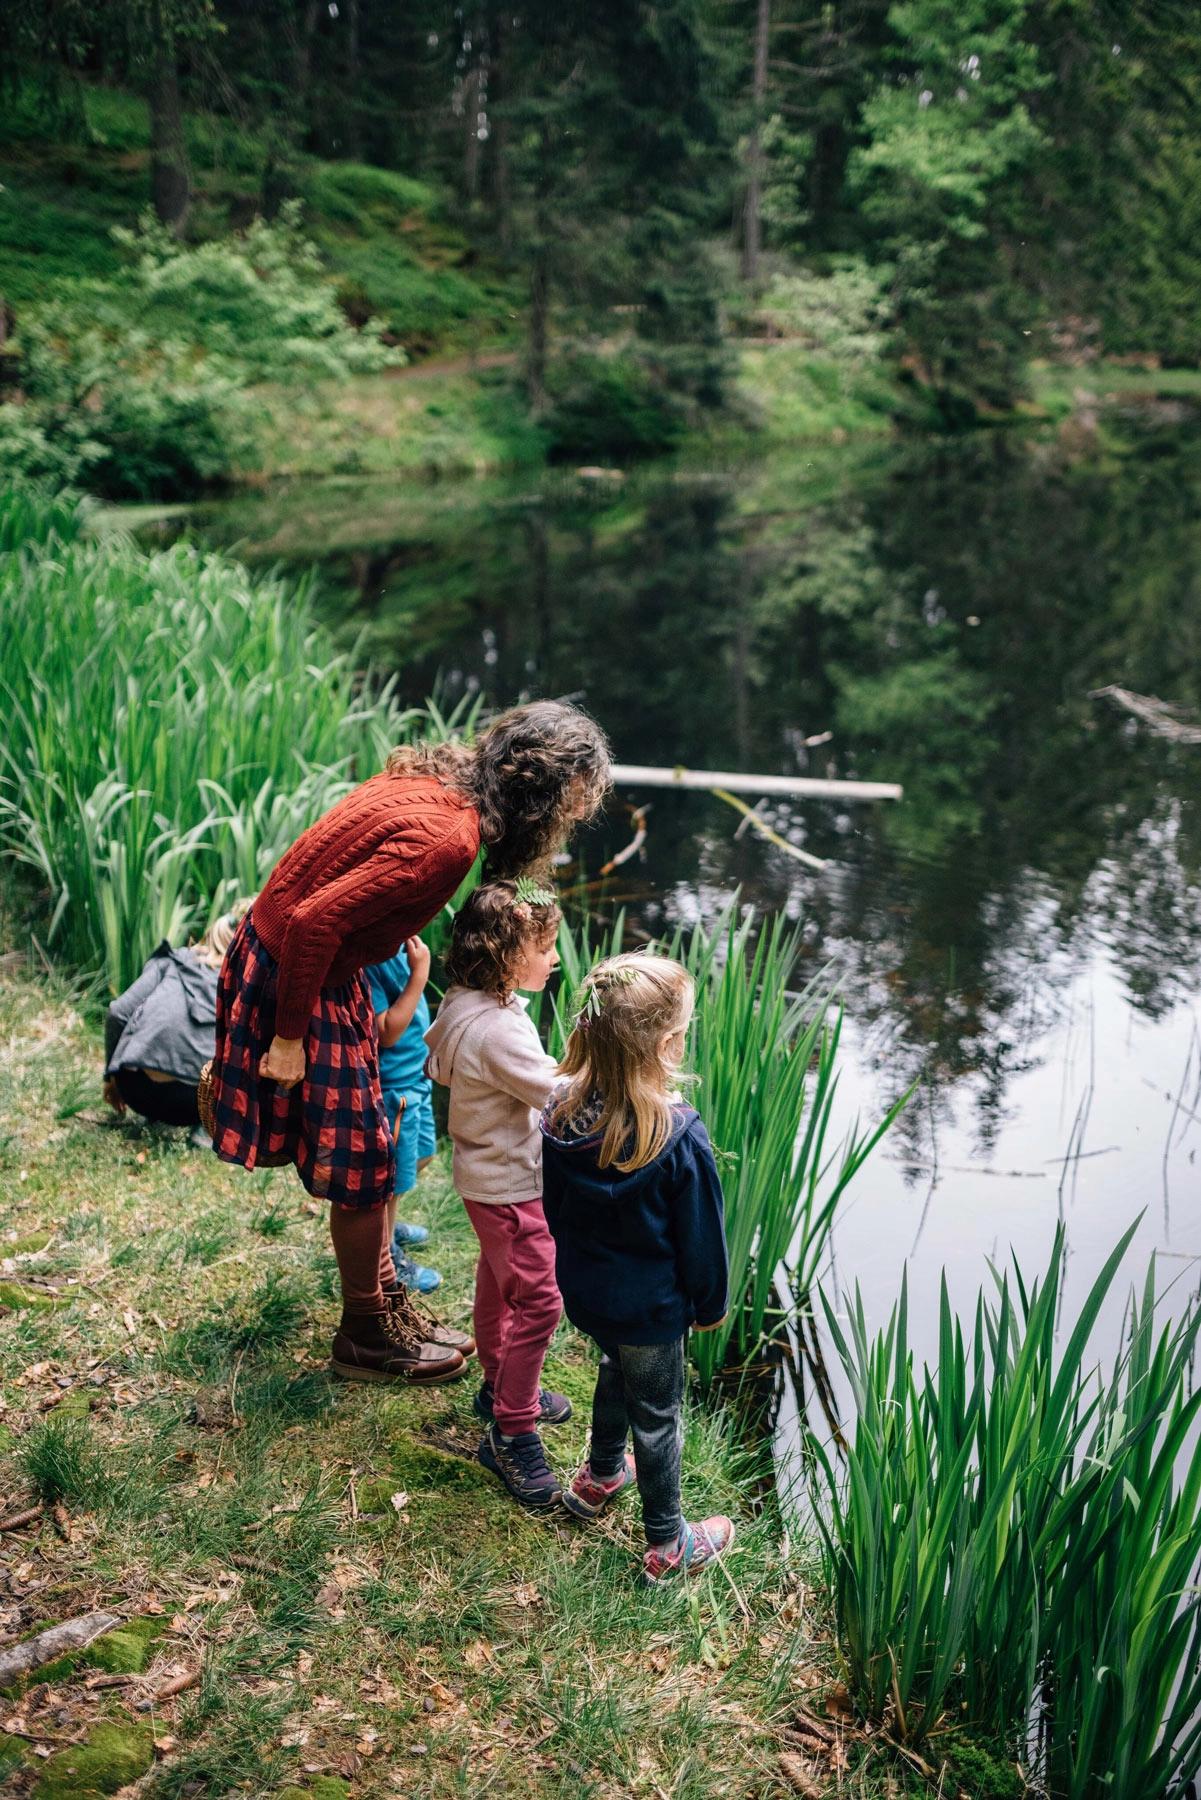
{"x":639,"y":1257}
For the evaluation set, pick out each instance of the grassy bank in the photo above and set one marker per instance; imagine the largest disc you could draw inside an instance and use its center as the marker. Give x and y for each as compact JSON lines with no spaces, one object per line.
{"x":363,"y":1604}
{"x":389,"y":241}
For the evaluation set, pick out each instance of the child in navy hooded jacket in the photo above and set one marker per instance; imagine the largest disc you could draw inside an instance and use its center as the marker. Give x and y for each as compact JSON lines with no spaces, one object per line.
{"x":633,"y":1200}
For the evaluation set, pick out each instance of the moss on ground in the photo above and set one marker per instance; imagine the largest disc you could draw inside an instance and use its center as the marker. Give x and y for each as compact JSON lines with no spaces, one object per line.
{"x":110,"y":1757}
{"x":29,"y":1245}
{"x":23,"y":1299}
{"x":124,"y":1651}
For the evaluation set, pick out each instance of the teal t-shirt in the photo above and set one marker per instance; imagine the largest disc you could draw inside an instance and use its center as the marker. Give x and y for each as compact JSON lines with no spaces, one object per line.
{"x":402,"y":1066}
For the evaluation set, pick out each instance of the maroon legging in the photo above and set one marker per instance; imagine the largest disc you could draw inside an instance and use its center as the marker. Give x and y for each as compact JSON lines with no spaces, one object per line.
{"x":360,"y":1235}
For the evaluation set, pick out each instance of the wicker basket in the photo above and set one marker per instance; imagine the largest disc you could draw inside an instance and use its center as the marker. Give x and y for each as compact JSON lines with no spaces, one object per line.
{"x":206,"y":1101}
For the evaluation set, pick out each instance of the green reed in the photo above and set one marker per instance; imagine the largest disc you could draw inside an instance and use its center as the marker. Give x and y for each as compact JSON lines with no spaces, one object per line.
{"x":1013,"y":1544}
{"x":765,"y":1062}
{"x":172,"y":724}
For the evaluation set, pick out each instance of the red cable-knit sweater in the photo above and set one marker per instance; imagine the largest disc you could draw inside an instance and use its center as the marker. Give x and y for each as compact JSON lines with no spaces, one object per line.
{"x":372,"y":872}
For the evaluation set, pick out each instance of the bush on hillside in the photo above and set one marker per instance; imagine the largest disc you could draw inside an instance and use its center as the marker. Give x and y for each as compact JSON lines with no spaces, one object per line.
{"x":610,"y":406}
{"x":139,"y":385}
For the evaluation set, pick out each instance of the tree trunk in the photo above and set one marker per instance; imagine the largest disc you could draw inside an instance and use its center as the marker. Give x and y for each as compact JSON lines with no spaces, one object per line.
{"x":535,"y":373}
{"x":498,"y":93}
{"x":304,"y":56}
{"x":170,"y":177}
{"x":471,"y":132}
{"x":752,"y":227}
{"x":354,"y":129}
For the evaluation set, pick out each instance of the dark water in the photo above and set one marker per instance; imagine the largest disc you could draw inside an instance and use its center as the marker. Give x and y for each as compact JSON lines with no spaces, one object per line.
{"x":1021,"y":936}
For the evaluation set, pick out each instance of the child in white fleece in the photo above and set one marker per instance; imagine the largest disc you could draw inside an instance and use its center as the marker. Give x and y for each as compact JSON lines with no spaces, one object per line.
{"x":485,"y":1049}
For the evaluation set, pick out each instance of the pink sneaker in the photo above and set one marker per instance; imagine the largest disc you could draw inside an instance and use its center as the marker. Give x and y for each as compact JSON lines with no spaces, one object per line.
{"x":697,"y":1546}
{"x":588,"y":1496}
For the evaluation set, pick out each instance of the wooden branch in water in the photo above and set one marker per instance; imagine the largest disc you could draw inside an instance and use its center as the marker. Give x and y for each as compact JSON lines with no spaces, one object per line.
{"x":751,"y":817}
{"x":642,"y":775}
{"x":1164,"y":720}
{"x":635,"y":844}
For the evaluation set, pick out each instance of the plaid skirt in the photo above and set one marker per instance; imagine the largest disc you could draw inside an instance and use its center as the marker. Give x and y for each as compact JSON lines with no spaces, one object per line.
{"x":332,"y":1125}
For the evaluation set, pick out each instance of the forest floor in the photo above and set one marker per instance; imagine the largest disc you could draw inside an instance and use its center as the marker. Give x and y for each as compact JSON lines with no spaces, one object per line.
{"x":347,"y":1602}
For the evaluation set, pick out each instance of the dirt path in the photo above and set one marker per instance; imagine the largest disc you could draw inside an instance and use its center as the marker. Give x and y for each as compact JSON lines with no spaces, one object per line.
{"x":454,"y":365}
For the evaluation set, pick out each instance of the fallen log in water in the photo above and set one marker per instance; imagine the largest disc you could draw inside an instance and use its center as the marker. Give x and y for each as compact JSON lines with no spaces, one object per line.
{"x":706,"y":780}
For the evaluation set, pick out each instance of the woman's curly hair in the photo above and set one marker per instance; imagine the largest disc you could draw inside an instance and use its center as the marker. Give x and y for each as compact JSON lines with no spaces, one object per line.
{"x":528,"y":774}
{"x":492,"y":929}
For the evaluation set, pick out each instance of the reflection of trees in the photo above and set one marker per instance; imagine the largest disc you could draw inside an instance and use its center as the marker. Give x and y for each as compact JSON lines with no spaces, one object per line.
{"x":945,"y":611}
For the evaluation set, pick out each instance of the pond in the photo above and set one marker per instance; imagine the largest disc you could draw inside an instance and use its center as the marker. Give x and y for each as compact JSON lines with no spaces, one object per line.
{"x":1021,"y":935}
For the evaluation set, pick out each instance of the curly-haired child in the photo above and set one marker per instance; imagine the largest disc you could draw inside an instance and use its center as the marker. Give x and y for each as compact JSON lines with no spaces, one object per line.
{"x":486,"y":1050}
{"x":634,"y":1203}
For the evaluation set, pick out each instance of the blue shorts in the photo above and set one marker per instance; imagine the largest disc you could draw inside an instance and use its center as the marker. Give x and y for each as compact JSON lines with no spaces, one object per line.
{"x":416,"y":1139}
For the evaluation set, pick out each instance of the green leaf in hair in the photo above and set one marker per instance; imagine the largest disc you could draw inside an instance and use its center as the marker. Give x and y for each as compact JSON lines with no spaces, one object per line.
{"x":532,"y":893}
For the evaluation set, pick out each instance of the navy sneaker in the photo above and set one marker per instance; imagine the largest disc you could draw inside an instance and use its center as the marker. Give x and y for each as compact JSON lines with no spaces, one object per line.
{"x":553,"y":1409}
{"x":520,"y":1461}
{"x":415,"y":1275}
{"x":408,"y":1237}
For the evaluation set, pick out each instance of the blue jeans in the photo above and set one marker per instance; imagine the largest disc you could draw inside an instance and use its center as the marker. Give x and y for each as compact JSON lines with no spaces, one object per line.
{"x":640,"y":1389}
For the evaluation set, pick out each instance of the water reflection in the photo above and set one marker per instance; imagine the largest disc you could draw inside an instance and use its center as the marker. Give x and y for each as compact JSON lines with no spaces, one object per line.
{"x":1032,"y":908}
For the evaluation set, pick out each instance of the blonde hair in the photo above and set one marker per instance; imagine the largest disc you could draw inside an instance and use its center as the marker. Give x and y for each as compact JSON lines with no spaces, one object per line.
{"x":627,"y":1005}
{"x":212,"y":946}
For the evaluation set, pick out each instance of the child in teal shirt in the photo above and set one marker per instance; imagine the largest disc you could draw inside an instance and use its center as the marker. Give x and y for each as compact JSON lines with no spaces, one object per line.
{"x":402,"y":1018}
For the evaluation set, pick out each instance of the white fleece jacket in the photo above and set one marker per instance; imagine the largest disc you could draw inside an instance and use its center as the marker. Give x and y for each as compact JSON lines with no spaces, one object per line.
{"x":499,"y":1076}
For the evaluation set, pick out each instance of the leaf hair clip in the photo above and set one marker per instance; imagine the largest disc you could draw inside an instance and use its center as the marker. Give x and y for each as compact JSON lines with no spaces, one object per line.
{"x":590,"y":1000}
{"x":531,"y":893}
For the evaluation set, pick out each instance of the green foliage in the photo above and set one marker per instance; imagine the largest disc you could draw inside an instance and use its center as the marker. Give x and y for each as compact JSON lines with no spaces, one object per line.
{"x":1015,"y":1536}
{"x":141,"y":383}
{"x":766,"y":1068}
{"x":261,"y":301}
{"x":840,"y":315}
{"x":164,"y":771}
{"x":938,"y":144}
{"x":610,"y":406}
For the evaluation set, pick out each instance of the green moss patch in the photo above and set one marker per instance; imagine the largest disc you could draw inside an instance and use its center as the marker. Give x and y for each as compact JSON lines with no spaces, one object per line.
{"x":24,"y":1299}
{"x":12,"y":1756}
{"x":125,"y":1651}
{"x":76,"y":1403}
{"x":324,"y":1787}
{"x":109,"y":1758}
{"x":29,"y":1245}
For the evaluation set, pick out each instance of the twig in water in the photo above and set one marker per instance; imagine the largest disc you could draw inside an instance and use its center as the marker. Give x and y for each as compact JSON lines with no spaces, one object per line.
{"x":1163,"y":719}
{"x":773,"y":837}
{"x":635,"y":844}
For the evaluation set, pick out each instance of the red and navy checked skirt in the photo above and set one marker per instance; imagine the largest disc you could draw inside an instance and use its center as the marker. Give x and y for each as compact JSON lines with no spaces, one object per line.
{"x":333,"y":1125}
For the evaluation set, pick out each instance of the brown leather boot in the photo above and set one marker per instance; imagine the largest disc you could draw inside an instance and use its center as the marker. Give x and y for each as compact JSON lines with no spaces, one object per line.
{"x":378,"y":1346}
{"x":424,"y":1324}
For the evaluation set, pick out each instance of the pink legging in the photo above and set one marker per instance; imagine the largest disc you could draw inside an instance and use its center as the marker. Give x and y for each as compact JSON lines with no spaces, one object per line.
{"x":517,"y":1306}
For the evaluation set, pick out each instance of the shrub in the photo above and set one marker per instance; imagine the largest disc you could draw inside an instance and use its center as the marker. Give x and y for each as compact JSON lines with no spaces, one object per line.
{"x":610,"y":406}
{"x":139,"y":385}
